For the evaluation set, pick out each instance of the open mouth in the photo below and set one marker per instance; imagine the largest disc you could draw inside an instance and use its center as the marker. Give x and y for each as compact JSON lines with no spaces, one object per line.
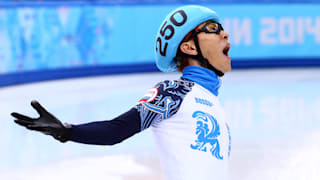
{"x":226,"y":50}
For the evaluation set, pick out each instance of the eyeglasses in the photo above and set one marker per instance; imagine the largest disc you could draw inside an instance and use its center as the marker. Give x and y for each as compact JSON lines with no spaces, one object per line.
{"x":211,"y":27}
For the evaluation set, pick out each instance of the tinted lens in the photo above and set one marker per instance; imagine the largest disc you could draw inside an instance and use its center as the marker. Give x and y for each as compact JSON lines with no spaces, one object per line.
{"x":212,"y":28}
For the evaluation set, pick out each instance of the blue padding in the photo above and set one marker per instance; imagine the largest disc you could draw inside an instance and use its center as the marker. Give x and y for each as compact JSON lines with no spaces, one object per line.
{"x":45,"y":75}
{"x":275,"y":63}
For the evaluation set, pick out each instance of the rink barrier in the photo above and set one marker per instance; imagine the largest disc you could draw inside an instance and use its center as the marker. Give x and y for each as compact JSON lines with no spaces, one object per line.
{"x":78,"y":72}
{"x":259,"y":38}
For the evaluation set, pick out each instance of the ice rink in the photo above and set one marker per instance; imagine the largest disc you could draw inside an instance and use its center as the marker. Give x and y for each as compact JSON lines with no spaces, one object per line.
{"x":274,"y":116}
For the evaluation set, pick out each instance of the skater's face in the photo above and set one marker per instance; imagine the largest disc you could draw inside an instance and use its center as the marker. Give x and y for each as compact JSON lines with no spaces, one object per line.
{"x":214,"y":45}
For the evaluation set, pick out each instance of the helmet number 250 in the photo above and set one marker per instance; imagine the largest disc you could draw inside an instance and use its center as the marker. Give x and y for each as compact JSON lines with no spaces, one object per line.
{"x":164,"y":31}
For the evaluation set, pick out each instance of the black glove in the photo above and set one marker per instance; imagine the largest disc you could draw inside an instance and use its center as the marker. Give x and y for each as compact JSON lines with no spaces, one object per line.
{"x":46,"y":123}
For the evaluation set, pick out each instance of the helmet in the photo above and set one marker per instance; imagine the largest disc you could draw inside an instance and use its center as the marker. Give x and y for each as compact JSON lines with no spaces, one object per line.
{"x":174,"y":28}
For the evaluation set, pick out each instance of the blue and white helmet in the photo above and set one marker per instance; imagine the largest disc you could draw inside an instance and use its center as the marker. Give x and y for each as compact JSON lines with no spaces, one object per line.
{"x":174,"y":28}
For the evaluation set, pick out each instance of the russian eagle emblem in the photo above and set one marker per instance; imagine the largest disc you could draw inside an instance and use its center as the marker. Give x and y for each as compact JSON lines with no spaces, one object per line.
{"x":207,"y":132}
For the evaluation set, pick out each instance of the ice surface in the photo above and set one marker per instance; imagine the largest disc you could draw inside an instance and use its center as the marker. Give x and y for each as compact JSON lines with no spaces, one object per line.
{"x":274,"y":116}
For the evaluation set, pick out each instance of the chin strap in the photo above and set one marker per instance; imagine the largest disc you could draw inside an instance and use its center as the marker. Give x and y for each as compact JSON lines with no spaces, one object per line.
{"x":199,"y":57}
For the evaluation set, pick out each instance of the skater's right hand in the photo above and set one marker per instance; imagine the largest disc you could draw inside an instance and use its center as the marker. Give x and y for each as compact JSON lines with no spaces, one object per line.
{"x":46,"y":123}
